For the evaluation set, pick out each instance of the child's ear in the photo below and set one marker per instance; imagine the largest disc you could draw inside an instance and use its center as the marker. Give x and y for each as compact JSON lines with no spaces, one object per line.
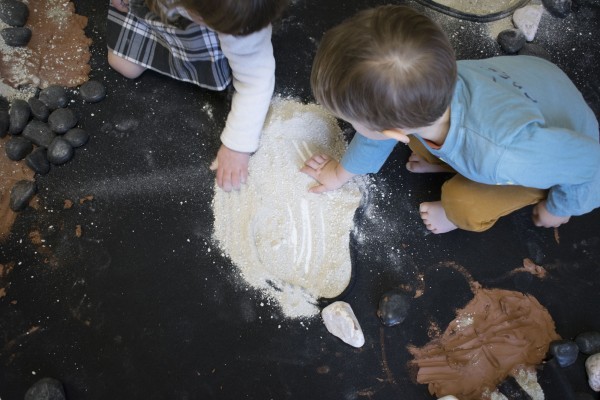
{"x":398,"y":134}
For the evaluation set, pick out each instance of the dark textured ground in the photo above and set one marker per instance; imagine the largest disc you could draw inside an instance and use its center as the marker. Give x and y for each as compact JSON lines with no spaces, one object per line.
{"x":143,"y":306}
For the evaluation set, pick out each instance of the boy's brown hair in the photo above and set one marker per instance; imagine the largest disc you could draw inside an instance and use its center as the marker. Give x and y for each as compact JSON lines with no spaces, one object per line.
{"x":235,"y":17}
{"x":386,"y":67}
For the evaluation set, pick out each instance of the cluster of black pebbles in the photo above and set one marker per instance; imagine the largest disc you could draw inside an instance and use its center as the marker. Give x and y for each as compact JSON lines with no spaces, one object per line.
{"x":14,"y":13}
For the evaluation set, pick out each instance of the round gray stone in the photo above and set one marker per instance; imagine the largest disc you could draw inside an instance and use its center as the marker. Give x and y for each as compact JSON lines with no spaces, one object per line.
{"x":21,"y":193}
{"x":59,"y":151}
{"x":54,"y":97}
{"x":62,"y":119}
{"x":16,"y":37}
{"x":92,"y":91}
{"x":17,"y":147}
{"x":19,"y":114}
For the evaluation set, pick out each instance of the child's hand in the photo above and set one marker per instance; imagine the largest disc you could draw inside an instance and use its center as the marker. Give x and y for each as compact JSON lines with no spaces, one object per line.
{"x":328,"y":172}
{"x":231,"y":167}
{"x":543,"y":217}
{"x":121,"y":5}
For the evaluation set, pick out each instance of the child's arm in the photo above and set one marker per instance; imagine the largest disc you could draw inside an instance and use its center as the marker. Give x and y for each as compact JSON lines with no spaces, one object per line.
{"x":328,"y":172}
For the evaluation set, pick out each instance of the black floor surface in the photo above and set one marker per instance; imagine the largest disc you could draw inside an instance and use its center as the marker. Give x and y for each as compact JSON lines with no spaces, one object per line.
{"x":144,"y":306}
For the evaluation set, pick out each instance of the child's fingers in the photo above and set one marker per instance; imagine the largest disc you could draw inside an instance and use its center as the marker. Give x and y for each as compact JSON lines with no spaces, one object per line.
{"x":214,"y":165}
{"x":318,"y":189}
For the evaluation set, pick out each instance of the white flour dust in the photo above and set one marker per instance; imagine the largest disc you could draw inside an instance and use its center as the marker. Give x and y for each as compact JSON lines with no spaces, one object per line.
{"x":291,"y":244}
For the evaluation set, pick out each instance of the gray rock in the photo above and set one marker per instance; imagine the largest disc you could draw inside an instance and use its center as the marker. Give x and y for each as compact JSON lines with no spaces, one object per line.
{"x":76,"y":137}
{"x":13,"y":12}
{"x":38,"y":161}
{"x":393,"y":308}
{"x":511,"y":40}
{"x":39,"y":133}
{"x":54,"y":97}
{"x":38,"y":109}
{"x":588,"y":342}
{"x":62,"y":119}
{"x":16,"y":37}
{"x":59,"y":151}
{"x":4,"y":123}
{"x":19,"y":114}
{"x":21,"y":193}
{"x":558,"y":8}
{"x":531,"y":49}
{"x":46,"y":389}
{"x":564,"y":351}
{"x":17,"y":147}
{"x":92,"y":91}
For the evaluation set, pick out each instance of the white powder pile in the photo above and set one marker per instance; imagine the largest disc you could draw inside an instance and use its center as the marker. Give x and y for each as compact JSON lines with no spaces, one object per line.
{"x":291,"y":244}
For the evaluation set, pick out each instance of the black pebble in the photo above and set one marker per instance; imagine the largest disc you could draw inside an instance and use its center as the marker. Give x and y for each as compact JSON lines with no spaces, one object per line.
{"x":588,"y":342}
{"x":564,"y":351}
{"x":393,"y":308}
{"x":46,"y":389}
{"x":531,"y":49}
{"x":38,"y":161}
{"x":39,"y":133}
{"x":54,"y":97}
{"x":511,"y":40}
{"x":4,"y":123}
{"x":558,"y":8}
{"x":19,"y":116}
{"x":76,"y":137}
{"x":21,"y":193}
{"x":59,"y":151}
{"x":16,"y":37}
{"x":13,"y":12}
{"x":62,"y":120}
{"x":18,"y":147}
{"x":38,"y":109}
{"x":92,"y":91}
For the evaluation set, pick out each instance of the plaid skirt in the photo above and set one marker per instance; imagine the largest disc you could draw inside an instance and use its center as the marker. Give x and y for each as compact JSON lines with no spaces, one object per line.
{"x":182,"y":49}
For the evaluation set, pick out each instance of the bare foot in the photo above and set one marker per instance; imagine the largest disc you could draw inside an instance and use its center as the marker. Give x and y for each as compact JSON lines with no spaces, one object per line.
{"x":419,"y":165}
{"x":434,"y":217}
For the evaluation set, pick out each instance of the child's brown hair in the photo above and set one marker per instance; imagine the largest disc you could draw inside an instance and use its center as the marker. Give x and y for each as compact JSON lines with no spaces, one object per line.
{"x":386,"y":67}
{"x":235,"y":17}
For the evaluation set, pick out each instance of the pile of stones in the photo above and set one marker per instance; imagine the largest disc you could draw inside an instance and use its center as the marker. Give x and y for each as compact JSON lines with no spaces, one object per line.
{"x":14,"y":13}
{"x":43,"y":132}
{"x":566,"y":352}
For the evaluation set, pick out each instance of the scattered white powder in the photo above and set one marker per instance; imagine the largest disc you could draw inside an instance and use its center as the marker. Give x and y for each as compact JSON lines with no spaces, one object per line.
{"x":291,"y":244}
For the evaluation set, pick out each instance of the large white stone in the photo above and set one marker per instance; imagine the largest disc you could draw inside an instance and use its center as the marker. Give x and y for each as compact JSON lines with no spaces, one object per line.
{"x":592,"y":366}
{"x":449,"y":397}
{"x":340,"y":321}
{"x":527,"y":20}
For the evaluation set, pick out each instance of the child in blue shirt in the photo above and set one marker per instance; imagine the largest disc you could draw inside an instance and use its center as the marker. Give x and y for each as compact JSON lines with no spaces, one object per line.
{"x":514,"y":129}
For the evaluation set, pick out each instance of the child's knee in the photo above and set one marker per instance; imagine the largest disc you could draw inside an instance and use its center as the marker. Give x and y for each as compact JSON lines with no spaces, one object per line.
{"x":124,"y":67}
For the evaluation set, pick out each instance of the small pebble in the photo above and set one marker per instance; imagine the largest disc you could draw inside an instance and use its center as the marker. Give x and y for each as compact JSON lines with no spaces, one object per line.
{"x":37,"y":160}
{"x":38,"y":109}
{"x":592,"y":366}
{"x":19,"y":114}
{"x":16,"y":37}
{"x":92,"y":91}
{"x":54,"y":97}
{"x":511,"y":40}
{"x":564,"y":351}
{"x":18,"y":147}
{"x":393,"y":308}
{"x":39,"y":133}
{"x":59,"y":151}
{"x":46,"y":389}
{"x":14,"y":12}
{"x":588,"y":342}
{"x":62,"y":119}
{"x":21,"y":193}
{"x":4,"y":122}
{"x":558,"y":8}
{"x":76,"y":137}
{"x":527,"y":19}
{"x":531,"y":49}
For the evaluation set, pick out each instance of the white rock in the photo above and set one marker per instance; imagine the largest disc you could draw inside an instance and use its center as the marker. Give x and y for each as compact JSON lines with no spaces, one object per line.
{"x":449,"y":397}
{"x":592,"y":366}
{"x":527,"y":20}
{"x":340,"y":321}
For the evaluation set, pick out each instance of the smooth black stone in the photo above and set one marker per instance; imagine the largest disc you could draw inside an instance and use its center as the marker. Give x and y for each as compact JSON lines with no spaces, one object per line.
{"x":76,"y":137}
{"x":54,"y":97}
{"x":59,"y":151}
{"x":39,"y":133}
{"x":92,"y":91}
{"x":588,"y":342}
{"x":46,"y":389}
{"x":13,"y":12}
{"x":18,"y":147}
{"x":4,"y":104}
{"x":511,"y":40}
{"x":512,"y":390}
{"x":393,"y":308}
{"x":19,"y":114}
{"x":530,"y":49}
{"x":38,"y":161}
{"x":558,"y":8}
{"x":4,"y":123}
{"x":16,"y":37}
{"x":21,"y":193}
{"x":62,"y":119}
{"x":38,"y":109}
{"x":564,"y":351}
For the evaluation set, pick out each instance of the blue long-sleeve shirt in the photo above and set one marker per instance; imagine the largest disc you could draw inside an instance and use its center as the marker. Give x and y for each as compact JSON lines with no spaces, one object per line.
{"x":515,"y":120}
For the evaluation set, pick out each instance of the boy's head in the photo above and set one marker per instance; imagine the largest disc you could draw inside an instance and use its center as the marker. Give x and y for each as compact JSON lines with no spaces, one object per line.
{"x":385,"y":68}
